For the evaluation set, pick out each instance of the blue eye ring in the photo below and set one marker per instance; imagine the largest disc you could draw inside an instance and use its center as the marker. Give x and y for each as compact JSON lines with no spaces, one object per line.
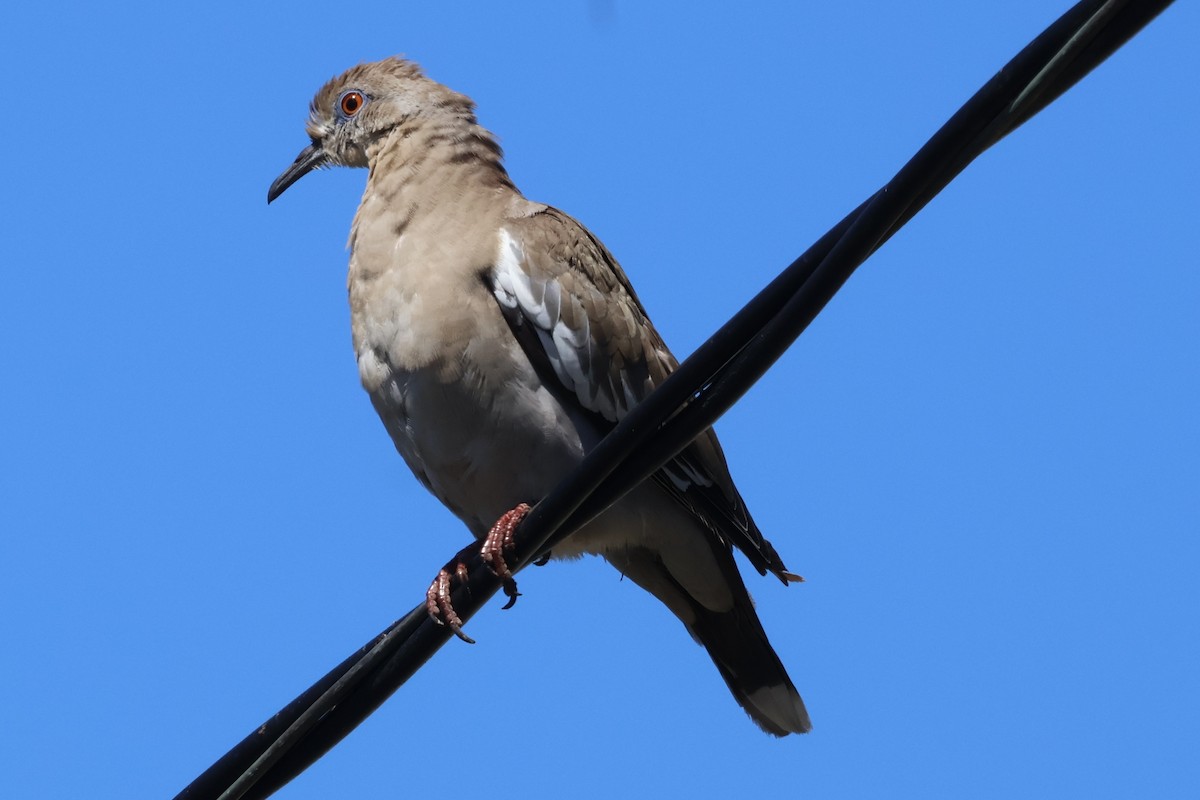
{"x":350,"y":103}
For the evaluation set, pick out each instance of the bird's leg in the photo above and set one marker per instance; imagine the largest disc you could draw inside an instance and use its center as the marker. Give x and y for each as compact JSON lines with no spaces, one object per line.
{"x":498,"y":540}
{"x":437,"y":598}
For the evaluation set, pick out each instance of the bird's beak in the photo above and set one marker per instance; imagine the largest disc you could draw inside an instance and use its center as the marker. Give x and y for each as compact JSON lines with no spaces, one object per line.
{"x":309,"y":159}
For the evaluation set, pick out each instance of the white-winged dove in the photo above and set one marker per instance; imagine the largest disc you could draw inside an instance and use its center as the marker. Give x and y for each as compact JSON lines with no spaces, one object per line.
{"x":499,"y":340}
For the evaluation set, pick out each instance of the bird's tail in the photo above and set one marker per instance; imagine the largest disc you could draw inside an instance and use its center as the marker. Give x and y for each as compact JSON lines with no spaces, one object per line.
{"x":734,"y":639}
{"x":737,"y":644}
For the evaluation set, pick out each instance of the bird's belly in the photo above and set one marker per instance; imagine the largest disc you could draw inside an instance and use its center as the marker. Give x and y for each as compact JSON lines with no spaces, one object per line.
{"x":481,"y":446}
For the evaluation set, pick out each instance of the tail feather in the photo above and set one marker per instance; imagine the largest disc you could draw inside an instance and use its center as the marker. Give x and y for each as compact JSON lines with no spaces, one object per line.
{"x":738,"y":645}
{"x":734,"y":639}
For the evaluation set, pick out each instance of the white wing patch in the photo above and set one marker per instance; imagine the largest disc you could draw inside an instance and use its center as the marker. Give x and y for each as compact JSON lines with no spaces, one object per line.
{"x":576,"y":358}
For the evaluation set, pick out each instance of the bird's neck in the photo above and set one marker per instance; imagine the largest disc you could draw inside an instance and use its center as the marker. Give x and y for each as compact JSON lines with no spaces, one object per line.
{"x":424,"y":165}
{"x":436,"y":194}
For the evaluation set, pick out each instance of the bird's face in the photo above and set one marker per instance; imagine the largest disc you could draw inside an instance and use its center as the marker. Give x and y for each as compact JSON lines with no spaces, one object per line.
{"x":339,"y":125}
{"x":353,"y":110}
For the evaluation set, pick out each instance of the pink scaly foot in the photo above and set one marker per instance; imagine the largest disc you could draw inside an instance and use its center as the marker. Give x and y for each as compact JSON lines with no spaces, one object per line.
{"x":499,"y":540}
{"x":438,"y":603}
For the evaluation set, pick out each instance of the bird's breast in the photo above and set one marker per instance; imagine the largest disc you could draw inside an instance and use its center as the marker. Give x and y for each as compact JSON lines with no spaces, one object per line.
{"x":461,"y":401}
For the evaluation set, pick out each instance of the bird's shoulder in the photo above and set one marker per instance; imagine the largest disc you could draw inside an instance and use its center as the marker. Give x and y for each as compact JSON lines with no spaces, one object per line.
{"x":555,"y":278}
{"x":556,"y":243}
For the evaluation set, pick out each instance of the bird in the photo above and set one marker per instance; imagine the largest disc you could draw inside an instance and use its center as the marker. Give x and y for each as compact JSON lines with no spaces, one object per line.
{"x":499,"y":341}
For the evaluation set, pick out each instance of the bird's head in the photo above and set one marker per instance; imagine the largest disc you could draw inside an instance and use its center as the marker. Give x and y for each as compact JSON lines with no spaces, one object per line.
{"x":361,"y":106}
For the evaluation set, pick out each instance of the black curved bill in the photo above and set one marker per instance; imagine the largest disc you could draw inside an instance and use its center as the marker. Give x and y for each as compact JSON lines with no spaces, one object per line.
{"x":309,"y":159}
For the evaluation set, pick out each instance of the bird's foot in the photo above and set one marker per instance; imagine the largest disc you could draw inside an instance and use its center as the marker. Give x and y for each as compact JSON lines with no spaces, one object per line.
{"x":498,"y":540}
{"x":438,"y":604}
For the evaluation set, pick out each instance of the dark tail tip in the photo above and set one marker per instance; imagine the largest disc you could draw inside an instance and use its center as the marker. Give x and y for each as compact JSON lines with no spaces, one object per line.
{"x":738,"y":645}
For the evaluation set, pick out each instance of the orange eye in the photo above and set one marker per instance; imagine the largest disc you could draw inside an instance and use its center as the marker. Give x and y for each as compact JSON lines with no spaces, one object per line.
{"x":351,"y":103}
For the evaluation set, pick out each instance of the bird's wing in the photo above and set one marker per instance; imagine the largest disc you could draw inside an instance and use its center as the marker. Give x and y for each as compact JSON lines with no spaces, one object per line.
{"x":571,"y":306}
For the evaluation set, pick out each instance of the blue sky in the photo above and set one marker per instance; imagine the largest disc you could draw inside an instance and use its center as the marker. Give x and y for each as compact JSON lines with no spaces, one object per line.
{"x":984,"y":455}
